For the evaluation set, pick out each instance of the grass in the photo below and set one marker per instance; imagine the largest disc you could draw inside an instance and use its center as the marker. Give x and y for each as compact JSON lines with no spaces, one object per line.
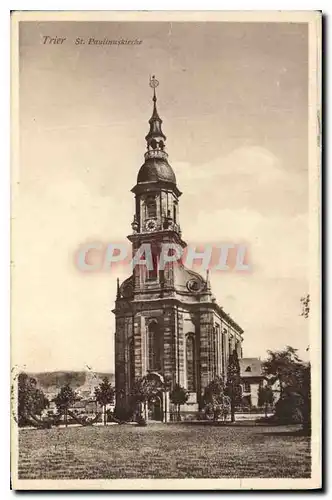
{"x":163,"y":451}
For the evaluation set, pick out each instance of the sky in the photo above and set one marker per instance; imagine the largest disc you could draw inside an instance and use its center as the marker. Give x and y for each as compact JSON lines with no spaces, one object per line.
{"x":233,"y":99}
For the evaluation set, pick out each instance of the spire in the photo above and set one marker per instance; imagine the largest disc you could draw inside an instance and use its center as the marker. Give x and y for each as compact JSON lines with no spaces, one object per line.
{"x":155,"y":138}
{"x":153,"y":84}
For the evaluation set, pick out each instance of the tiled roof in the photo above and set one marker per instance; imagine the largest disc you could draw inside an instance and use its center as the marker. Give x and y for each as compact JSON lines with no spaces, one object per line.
{"x":250,"y":367}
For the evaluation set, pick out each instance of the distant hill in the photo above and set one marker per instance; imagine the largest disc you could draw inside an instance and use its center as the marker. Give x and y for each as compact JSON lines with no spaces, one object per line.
{"x":55,"y":380}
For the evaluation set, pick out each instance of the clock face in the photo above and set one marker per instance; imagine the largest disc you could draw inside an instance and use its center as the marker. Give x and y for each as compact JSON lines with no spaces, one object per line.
{"x":194,"y":285}
{"x":150,"y":225}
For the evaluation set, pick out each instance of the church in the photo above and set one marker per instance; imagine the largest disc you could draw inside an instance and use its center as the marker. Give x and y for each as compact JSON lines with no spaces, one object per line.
{"x":169,"y":326}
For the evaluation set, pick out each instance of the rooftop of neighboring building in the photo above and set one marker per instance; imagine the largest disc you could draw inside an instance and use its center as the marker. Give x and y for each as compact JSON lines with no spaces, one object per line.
{"x":251,"y":367}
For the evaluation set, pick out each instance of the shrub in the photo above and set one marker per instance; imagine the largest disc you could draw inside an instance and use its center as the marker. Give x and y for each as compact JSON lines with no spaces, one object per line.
{"x":140,"y":421}
{"x":288,"y":409}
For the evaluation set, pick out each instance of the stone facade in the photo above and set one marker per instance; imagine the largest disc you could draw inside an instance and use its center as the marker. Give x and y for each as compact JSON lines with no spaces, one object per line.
{"x":168,"y":323}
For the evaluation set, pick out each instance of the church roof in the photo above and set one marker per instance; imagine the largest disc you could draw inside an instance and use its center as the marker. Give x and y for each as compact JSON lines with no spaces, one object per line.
{"x":155,"y":170}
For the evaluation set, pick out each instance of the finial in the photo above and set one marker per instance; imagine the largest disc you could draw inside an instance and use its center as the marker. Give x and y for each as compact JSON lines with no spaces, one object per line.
{"x":153,"y":84}
{"x":118,"y":295}
{"x":134,"y":224}
{"x":208,"y":284}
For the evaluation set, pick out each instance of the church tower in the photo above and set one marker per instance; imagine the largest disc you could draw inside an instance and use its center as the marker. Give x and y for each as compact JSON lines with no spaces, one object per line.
{"x":168,"y":325}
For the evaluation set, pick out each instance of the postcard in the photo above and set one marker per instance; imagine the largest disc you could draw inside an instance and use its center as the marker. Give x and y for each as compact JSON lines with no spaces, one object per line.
{"x":165,"y":250}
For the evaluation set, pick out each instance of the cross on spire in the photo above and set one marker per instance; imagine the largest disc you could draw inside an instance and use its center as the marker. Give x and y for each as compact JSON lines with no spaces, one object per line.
{"x":153,"y":84}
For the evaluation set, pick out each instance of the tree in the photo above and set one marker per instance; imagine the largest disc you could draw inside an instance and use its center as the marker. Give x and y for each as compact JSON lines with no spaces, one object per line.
{"x":179,"y":396}
{"x":145,"y":389}
{"x":216,"y":403}
{"x":285,"y":367}
{"x":306,"y":392}
{"x":31,"y":400}
{"x":305,"y":301}
{"x":295,"y":388}
{"x":307,"y":374}
{"x":265,"y":397}
{"x":233,"y":386}
{"x":64,"y":400}
{"x":214,"y":390}
{"x":104,"y":395}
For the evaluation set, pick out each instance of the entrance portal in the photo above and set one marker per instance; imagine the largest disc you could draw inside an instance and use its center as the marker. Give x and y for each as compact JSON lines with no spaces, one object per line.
{"x":155,"y":408}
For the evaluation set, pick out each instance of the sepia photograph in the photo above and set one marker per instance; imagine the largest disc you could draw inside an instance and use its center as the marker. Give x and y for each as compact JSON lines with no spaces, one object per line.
{"x":165,"y":255}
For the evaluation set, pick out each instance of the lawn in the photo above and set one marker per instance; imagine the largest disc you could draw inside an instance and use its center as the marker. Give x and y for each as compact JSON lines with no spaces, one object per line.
{"x":163,"y":451}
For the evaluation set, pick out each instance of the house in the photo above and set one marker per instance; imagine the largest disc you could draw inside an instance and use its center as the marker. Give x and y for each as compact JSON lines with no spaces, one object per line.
{"x":252,"y":378}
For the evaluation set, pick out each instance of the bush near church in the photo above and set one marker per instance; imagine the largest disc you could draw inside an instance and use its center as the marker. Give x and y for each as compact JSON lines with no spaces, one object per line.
{"x":294,"y":376}
{"x":178,"y":396}
{"x":216,"y":403}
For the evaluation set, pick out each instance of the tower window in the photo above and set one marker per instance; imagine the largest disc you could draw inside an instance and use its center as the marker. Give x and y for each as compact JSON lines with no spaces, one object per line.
{"x":155,"y":340}
{"x":152,"y":274}
{"x":174,"y":213}
{"x":190,"y":363}
{"x":151,"y":206}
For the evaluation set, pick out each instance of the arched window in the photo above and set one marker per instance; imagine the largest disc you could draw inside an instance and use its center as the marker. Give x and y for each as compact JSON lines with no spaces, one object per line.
{"x":224,"y":353}
{"x":218,"y":351}
{"x":151,"y":206}
{"x":174,"y":213}
{"x":238,"y":348}
{"x":230,"y":350}
{"x":132,"y":361}
{"x":190,"y":363}
{"x":155,"y":346}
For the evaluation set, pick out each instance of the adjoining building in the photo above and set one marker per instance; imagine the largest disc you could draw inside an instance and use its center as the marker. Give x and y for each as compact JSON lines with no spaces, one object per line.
{"x":252,"y":378}
{"x":169,"y":326}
